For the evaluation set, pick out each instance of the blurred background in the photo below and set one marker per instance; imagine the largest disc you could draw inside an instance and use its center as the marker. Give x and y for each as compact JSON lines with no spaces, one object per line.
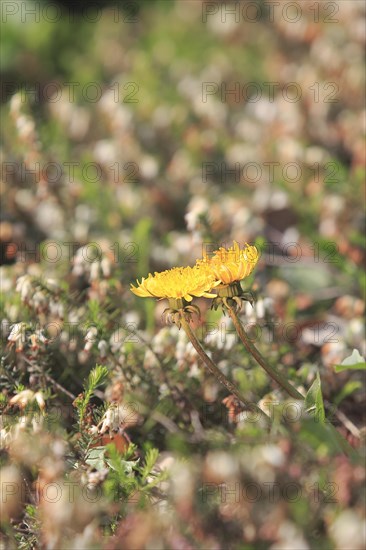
{"x":158,"y":130}
{"x":137,"y":134}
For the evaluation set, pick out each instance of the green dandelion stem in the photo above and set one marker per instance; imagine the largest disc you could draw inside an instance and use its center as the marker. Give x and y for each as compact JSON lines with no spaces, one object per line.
{"x":271,"y":371}
{"x":215,"y":371}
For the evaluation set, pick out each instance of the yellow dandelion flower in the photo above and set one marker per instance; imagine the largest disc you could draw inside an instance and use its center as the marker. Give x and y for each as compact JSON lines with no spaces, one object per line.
{"x":232,"y":264}
{"x":178,"y":283}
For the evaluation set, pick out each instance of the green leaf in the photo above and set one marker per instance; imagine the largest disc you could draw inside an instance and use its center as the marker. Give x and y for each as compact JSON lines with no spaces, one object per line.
{"x":96,"y":458}
{"x":348,"y":389}
{"x":142,"y":238}
{"x":325,"y":439}
{"x":314,"y":400}
{"x":118,"y":463}
{"x":355,"y":361}
{"x":319,"y":432}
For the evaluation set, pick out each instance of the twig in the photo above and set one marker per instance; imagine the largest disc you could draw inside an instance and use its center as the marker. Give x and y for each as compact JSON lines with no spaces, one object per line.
{"x":50,"y":379}
{"x":348,"y":424}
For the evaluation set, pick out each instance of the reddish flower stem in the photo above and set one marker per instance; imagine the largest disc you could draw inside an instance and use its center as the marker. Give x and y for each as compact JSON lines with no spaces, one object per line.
{"x":215,"y":371}
{"x":273,"y":373}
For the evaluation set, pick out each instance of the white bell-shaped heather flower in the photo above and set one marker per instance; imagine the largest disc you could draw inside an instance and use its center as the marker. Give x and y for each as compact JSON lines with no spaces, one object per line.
{"x":105,"y":266}
{"x":90,"y":338}
{"x":39,"y":300}
{"x":110,"y":420}
{"x":22,"y":399}
{"x":17,"y":335}
{"x":95,"y":271}
{"x":103,"y":348}
{"x":37,"y":339}
{"x":25,"y":397}
{"x":38,"y":397}
{"x":24,"y":286}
